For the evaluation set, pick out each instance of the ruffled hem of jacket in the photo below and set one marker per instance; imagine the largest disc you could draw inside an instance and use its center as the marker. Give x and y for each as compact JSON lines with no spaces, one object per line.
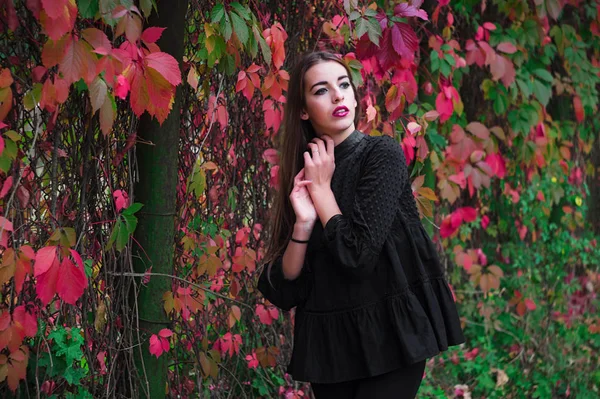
{"x":401,"y":329}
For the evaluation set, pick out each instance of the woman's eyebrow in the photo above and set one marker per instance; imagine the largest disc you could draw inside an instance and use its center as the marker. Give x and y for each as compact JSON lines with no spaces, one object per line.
{"x":324,"y":82}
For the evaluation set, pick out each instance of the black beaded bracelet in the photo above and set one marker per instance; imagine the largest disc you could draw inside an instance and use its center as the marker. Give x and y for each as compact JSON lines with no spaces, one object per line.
{"x":299,"y":241}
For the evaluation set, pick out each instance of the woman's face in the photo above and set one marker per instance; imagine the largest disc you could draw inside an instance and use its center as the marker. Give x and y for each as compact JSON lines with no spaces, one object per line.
{"x":330,"y":103}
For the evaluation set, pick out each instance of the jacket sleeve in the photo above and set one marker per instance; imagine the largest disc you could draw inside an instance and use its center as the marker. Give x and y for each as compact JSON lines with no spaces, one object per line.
{"x":355,"y":239}
{"x":281,"y":292}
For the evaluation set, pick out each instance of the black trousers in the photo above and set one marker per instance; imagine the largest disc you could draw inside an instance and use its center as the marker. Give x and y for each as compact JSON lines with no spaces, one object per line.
{"x":398,"y":384}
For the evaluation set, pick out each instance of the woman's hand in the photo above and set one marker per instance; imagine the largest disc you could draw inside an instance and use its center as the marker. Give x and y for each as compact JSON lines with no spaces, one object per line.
{"x":301,"y":202}
{"x":320,"y":164}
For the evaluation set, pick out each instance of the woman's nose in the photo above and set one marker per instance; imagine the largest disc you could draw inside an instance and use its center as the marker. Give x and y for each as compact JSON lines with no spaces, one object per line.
{"x":337,"y":95}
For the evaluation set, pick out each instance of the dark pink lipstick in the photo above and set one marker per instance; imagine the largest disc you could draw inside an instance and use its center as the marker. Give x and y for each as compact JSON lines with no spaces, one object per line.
{"x":340,"y":112}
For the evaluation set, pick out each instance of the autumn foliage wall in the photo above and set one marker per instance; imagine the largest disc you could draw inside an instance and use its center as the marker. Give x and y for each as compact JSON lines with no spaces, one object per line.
{"x":493,"y":102}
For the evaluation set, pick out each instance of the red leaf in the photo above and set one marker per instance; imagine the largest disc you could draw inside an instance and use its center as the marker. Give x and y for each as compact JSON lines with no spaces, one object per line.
{"x":78,"y":62}
{"x":468,"y":213}
{"x":530,"y":304}
{"x":23,"y":266}
{"x":97,"y":39}
{"x":25,"y":321}
{"x":55,"y":8}
{"x":44,"y":260}
{"x":265,"y":316}
{"x":155,"y":346}
{"x":55,"y":28}
{"x":271,"y":156}
{"x":151,"y":35}
{"x":7,"y":185}
{"x":121,"y":199}
{"x":579,"y":111}
{"x":54,"y":51}
{"x":404,"y":40}
{"x":507,"y":48}
{"x":45,"y":286}
{"x":165,"y":333}
{"x":478,"y":129}
{"x":71,"y":281}
{"x":165,"y":65}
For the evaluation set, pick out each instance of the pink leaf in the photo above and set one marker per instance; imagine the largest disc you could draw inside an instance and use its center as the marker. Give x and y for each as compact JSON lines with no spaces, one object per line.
{"x":155,"y":346}
{"x":271,"y":156}
{"x":151,"y":35}
{"x":54,"y":8}
{"x":71,"y":282}
{"x":7,"y":184}
{"x":507,"y":48}
{"x":45,"y":286}
{"x":77,"y":258}
{"x":165,"y":333}
{"x":165,"y":65}
{"x":44,"y":260}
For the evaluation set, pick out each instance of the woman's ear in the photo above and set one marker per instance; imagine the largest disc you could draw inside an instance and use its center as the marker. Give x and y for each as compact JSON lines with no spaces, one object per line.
{"x":304,"y":115}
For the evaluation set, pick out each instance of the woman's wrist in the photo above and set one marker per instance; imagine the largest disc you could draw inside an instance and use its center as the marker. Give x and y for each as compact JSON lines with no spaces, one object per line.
{"x":302,"y":230}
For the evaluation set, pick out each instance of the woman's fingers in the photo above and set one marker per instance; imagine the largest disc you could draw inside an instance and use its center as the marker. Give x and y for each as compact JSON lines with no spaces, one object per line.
{"x":330,"y":146}
{"x":321,"y":146}
{"x":308,"y":161}
{"x":314,"y":149}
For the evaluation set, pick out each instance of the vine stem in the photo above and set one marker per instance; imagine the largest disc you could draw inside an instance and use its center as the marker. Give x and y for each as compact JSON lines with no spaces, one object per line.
{"x":184,"y":281}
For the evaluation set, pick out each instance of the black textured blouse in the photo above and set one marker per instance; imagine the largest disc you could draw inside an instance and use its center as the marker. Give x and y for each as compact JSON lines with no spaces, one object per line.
{"x":371,"y":296}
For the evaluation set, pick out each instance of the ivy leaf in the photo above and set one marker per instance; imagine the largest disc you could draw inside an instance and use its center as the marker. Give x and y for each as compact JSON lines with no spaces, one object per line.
{"x":361,"y":27}
{"x":244,"y":12}
{"x":88,"y":8}
{"x":107,"y":114}
{"x":226,"y":28}
{"x":152,"y":34}
{"x":165,"y":65}
{"x":373,"y":30}
{"x":98,"y":93}
{"x":240,"y":27}
{"x":264,"y":47}
{"x":542,"y":92}
{"x":543,"y":74}
{"x":404,"y":39}
{"x":217,"y":13}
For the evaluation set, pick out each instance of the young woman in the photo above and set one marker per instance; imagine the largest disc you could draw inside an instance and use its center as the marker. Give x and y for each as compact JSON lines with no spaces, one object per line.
{"x":348,"y":249}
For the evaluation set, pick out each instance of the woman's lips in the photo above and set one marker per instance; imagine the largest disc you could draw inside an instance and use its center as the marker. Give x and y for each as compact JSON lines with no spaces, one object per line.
{"x":340,"y":112}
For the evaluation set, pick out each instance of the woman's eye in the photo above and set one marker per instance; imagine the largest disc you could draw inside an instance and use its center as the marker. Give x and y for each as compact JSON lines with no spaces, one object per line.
{"x":345,"y":85}
{"x":319,"y":92}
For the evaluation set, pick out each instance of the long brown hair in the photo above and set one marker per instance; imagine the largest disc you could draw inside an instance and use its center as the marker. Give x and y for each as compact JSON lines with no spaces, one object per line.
{"x":293,"y":138}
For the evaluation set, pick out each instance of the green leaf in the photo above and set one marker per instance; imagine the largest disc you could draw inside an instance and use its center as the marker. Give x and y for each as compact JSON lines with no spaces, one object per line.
{"x":436,"y":139}
{"x":354,"y":15}
{"x":217,"y":13}
{"x":445,"y":69}
{"x":361,"y":27}
{"x":543,"y":74}
{"x":449,"y":59}
{"x":524,"y":87}
{"x":369,"y":12}
{"x":226,"y":27}
{"x":130,"y":223}
{"x":241,"y":10}
{"x":146,"y":6}
{"x":266,"y":50}
{"x":252,"y":46}
{"x":240,"y":27}
{"x":542,"y":92}
{"x":373,"y":30}
{"x":33,"y":97}
{"x":133,"y":208}
{"x":88,"y":8}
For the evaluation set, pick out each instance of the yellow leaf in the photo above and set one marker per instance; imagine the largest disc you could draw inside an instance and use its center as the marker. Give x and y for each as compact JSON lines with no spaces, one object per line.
{"x":427,"y":193}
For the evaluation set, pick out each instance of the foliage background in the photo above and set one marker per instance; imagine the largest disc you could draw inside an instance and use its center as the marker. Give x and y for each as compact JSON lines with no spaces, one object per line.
{"x":494,"y":103}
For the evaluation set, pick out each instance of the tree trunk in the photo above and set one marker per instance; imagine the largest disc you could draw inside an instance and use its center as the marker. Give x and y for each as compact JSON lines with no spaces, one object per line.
{"x":594,"y":184}
{"x":156,"y":189}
